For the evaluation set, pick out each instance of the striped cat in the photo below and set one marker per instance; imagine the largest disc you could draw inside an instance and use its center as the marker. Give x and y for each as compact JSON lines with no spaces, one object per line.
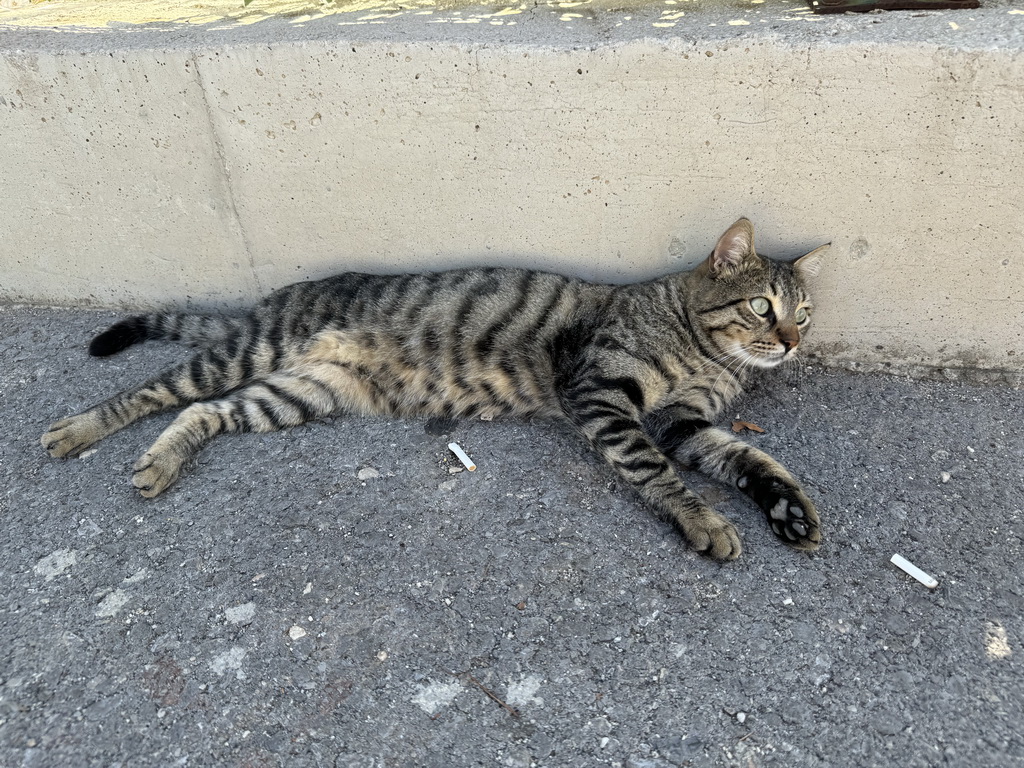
{"x":639,"y":370}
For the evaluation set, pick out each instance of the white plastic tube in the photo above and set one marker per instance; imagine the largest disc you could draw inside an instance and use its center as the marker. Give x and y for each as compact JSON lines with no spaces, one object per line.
{"x":463,"y":457}
{"x":905,"y":565}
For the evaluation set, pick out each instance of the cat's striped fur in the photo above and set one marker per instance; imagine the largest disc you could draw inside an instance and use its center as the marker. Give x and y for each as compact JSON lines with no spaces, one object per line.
{"x":641,"y":371}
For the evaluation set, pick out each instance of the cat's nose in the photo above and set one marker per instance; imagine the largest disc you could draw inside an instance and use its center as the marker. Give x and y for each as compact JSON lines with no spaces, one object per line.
{"x":789,"y":338}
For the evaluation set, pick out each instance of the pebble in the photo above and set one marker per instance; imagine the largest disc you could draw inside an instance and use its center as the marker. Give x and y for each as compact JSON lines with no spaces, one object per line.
{"x":240,"y":614}
{"x":368,"y":473}
{"x":646,"y":762}
{"x":946,"y":477}
{"x":55,"y":563}
{"x":887,"y":724}
{"x":296,"y":632}
{"x":112,"y":603}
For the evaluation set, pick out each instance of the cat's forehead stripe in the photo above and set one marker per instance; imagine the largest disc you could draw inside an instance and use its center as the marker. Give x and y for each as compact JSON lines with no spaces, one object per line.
{"x":720,"y":307}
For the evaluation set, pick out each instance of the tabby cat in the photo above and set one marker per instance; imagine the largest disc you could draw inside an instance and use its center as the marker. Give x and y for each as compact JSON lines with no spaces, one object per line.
{"x":639,"y":370}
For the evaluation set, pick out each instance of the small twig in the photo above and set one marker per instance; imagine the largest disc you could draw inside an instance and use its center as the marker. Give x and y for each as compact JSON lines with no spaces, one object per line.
{"x":492,"y":695}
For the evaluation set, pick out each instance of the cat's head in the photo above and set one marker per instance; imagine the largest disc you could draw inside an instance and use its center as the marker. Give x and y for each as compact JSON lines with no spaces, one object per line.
{"x":751,"y":309}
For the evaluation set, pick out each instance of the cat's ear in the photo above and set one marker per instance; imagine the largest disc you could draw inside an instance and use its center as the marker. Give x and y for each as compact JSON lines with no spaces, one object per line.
{"x":809,"y":264}
{"x":733,"y":250}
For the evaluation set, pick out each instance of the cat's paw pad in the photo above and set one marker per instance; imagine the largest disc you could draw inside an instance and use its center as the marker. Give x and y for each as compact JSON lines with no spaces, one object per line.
{"x":713,"y":535}
{"x":794,"y":520}
{"x":155,"y":471}
{"x":69,"y":437}
{"x":790,"y":513}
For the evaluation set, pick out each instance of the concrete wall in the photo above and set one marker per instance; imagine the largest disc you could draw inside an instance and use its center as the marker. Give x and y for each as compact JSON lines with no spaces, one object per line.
{"x":143,"y":170}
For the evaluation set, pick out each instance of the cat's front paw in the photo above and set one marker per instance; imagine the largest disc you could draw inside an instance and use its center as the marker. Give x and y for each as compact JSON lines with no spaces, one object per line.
{"x":69,"y":437}
{"x":708,"y":532}
{"x":155,"y":471}
{"x":791,"y":514}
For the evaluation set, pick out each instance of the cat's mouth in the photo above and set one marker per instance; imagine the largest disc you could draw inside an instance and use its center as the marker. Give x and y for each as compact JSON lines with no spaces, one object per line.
{"x":763,"y":355}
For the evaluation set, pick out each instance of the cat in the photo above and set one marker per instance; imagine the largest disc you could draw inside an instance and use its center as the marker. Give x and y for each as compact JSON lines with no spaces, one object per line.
{"x":639,"y":370}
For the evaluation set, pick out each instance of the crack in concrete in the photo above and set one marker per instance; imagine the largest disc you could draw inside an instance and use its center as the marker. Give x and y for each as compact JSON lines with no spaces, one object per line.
{"x":225,"y":173}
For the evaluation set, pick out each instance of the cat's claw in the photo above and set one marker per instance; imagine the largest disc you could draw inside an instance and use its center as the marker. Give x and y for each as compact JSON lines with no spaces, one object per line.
{"x":155,"y":472}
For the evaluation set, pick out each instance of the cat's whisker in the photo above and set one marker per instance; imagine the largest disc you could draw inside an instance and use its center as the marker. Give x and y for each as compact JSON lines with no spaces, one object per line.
{"x":718,"y":360}
{"x":737,"y":355}
{"x":721,"y":362}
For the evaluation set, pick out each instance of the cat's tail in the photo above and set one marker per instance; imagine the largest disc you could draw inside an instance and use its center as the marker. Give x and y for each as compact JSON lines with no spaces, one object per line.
{"x":195,"y":330}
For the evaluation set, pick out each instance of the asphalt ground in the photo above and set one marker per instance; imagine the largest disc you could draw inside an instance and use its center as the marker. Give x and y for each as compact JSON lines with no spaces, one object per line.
{"x":339,"y":595}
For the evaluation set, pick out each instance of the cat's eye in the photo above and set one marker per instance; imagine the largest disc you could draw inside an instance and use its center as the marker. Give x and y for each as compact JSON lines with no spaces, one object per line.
{"x":801,"y":315}
{"x":761,"y":305}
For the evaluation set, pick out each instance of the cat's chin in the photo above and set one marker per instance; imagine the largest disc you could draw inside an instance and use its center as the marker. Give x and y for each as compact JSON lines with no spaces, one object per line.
{"x":765,"y":361}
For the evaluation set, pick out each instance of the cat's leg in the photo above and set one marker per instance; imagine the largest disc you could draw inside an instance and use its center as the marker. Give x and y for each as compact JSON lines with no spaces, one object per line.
{"x":209,"y":373}
{"x":716,"y":453}
{"x":281,"y":400}
{"x":610,"y":420}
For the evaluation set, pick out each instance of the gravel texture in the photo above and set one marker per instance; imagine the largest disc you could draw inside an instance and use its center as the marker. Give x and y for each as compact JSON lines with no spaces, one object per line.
{"x":340,"y":595}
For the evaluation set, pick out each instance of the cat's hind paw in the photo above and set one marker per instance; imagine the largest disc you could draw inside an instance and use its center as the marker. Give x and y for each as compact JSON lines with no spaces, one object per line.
{"x":155,"y":471}
{"x":69,"y":437}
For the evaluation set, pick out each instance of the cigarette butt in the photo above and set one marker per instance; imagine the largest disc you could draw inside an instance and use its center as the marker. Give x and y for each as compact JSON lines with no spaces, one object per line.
{"x":454,"y":448}
{"x":905,"y":565}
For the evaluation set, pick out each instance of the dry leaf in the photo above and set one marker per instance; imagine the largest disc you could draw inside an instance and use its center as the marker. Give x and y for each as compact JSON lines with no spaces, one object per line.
{"x":739,"y":426}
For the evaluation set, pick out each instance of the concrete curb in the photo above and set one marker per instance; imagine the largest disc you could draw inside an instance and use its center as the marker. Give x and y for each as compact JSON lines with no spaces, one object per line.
{"x":208,"y":164}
